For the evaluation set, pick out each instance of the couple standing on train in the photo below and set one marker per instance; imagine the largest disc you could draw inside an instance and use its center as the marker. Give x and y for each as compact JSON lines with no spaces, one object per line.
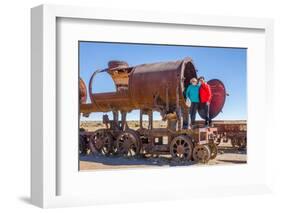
{"x":199,"y":93}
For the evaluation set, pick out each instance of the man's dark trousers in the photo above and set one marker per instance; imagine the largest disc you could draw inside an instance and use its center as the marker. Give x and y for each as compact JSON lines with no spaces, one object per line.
{"x":205,"y":107}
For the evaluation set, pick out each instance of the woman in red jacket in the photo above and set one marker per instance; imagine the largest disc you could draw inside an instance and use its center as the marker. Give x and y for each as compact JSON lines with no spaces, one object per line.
{"x":205,"y":94}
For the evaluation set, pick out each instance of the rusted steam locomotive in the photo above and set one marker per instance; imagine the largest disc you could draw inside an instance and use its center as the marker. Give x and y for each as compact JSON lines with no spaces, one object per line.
{"x":151,"y":87}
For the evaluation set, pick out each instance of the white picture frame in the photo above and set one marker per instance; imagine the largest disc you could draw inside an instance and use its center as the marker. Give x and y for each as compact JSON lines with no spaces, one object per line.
{"x":45,"y":178}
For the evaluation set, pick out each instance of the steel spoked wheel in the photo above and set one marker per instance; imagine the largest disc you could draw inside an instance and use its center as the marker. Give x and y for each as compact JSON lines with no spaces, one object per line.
{"x":201,"y":153}
{"x":214,"y":150}
{"x":102,"y":141}
{"x":128,"y":143}
{"x":181,"y":147}
{"x":217,"y":141}
{"x":114,"y":150}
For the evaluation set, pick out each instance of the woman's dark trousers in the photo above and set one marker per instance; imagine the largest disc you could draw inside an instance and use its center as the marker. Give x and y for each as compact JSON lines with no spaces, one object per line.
{"x":193,"y":109}
{"x":204,"y":107}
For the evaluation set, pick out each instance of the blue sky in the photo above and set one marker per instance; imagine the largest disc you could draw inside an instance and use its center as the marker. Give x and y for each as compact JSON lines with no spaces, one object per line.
{"x":227,"y":64}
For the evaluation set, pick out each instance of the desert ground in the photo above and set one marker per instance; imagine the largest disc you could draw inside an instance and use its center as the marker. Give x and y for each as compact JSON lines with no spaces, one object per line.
{"x":226,"y":154}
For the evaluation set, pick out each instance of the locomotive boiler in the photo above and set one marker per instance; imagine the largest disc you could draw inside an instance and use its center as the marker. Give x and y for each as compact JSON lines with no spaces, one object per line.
{"x":150,"y":87}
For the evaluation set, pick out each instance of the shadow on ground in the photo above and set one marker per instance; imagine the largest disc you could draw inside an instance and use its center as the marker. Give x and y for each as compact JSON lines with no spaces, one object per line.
{"x":122,"y":161}
{"x":226,"y":155}
{"x":233,"y":161}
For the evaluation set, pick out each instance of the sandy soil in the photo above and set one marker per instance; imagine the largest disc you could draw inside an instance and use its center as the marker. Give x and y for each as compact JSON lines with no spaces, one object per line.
{"x":226,"y":155}
{"x":94,"y":125}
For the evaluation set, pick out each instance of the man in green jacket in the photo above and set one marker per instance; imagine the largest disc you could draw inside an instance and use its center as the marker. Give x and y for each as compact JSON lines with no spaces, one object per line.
{"x":192,"y":93}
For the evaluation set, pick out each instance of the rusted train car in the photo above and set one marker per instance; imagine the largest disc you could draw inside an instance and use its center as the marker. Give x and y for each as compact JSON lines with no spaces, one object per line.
{"x":150,"y":87}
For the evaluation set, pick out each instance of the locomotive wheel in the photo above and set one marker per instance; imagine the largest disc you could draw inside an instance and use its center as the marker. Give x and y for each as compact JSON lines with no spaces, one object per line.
{"x":201,"y":153}
{"x":102,"y":141}
{"x":181,"y":147}
{"x":128,"y":143}
{"x":218,"y":141}
{"x":114,"y":149}
{"x":214,"y":150}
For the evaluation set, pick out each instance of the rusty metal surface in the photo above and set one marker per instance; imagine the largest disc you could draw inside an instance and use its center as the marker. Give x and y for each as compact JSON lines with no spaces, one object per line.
{"x":111,"y":101}
{"x":218,"y":98}
{"x":82,"y":91}
{"x":119,"y":71}
{"x":153,"y":87}
{"x":231,"y":126}
{"x":147,"y":86}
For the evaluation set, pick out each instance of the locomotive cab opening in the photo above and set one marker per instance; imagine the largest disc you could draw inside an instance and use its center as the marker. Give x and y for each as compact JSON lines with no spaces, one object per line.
{"x":187,"y":73}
